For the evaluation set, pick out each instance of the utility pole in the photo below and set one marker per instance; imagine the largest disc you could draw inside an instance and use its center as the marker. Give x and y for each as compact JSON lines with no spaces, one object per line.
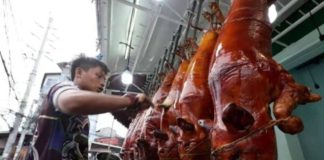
{"x":14,"y":131}
{"x":32,"y":117}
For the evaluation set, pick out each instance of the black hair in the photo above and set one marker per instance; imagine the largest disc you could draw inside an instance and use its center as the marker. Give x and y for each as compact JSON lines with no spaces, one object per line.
{"x":86,"y":63}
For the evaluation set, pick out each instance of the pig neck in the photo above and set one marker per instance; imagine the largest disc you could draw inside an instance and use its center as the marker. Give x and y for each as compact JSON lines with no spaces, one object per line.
{"x":247,"y":28}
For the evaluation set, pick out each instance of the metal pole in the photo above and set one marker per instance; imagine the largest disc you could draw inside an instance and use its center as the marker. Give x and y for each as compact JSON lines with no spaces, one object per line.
{"x":160,"y":66}
{"x":171,"y":47}
{"x":164,"y":59}
{"x":197,"y":18}
{"x":143,"y":48}
{"x":157,"y":74}
{"x":151,"y":11}
{"x":24,"y":130}
{"x":111,"y":131}
{"x":13,"y":135}
{"x":152,"y":80}
{"x":191,"y":13}
{"x":176,"y":44}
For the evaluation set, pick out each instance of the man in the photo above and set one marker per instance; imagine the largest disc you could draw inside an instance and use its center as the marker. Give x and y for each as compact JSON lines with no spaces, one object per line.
{"x":63,"y":125}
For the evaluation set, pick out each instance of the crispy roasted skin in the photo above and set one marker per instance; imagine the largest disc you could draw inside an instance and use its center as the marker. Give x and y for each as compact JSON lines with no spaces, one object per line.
{"x":195,"y":102}
{"x":147,"y":143}
{"x":244,"y":80}
{"x":167,"y":143}
{"x":129,"y":149}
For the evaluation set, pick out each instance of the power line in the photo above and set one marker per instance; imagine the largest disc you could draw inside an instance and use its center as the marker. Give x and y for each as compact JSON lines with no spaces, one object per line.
{"x":5,"y":120}
{"x":18,"y":118}
{"x":7,"y":34}
{"x":10,"y":111}
{"x":12,"y":15}
{"x":9,"y":76}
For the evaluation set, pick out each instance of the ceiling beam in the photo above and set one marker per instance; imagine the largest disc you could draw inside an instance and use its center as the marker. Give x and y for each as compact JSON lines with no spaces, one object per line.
{"x":286,"y":11}
{"x":281,"y":43}
{"x":301,"y":51}
{"x":173,"y":10}
{"x":131,"y":25}
{"x":147,"y":40}
{"x":156,"y":18}
{"x":150,"y":11}
{"x":299,"y":21}
{"x":104,"y":21}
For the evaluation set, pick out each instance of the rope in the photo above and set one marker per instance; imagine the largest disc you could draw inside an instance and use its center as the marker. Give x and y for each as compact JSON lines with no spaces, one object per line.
{"x":171,"y":148}
{"x":175,"y":158}
{"x":193,"y":154}
{"x":201,"y":142}
{"x":230,"y":146}
{"x":187,"y":153}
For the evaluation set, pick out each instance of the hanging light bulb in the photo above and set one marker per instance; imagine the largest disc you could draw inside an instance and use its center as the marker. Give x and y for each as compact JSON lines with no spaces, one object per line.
{"x":127,"y":77}
{"x":272,"y":13}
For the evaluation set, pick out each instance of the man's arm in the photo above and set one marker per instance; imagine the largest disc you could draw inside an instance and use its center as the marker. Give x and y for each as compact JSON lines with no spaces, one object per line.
{"x":86,"y":102}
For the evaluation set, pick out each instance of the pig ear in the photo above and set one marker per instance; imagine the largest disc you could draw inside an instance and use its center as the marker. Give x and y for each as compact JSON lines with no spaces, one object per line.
{"x":184,"y":125}
{"x":236,"y":118}
{"x":158,"y":134}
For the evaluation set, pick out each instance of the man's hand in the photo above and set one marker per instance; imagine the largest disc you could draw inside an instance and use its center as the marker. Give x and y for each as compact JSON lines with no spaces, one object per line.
{"x":141,"y":97}
{"x":138,"y":102}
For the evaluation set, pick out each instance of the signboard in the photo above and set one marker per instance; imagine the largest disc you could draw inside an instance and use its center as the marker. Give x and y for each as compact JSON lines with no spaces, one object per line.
{"x":48,"y":81}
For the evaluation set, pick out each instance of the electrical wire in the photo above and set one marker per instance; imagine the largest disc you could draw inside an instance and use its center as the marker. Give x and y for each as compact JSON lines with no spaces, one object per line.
{"x":11,"y":87}
{"x":13,"y":17}
{"x":10,"y":113}
{"x":8,"y":40}
{"x":5,"y":119}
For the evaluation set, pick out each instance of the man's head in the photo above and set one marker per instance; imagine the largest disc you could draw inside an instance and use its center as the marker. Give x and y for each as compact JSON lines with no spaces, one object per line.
{"x":89,"y":73}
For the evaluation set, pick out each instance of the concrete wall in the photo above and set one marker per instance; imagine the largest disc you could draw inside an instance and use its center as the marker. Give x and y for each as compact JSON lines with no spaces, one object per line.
{"x":312,"y":138}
